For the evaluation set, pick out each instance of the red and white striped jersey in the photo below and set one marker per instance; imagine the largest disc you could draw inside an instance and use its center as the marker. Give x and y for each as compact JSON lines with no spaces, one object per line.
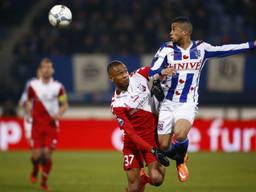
{"x":133,"y":110}
{"x":45,"y":98}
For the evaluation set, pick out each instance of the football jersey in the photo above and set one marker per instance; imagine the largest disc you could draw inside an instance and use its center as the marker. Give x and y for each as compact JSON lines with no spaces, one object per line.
{"x":133,"y":110}
{"x":45,"y":98}
{"x":183,"y":86}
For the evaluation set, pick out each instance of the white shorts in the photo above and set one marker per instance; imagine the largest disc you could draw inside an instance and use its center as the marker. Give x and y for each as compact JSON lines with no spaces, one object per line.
{"x":170,"y":112}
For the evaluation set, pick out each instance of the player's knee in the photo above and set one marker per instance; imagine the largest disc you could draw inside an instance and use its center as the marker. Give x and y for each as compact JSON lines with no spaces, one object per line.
{"x":181,"y":135}
{"x":156,"y":179}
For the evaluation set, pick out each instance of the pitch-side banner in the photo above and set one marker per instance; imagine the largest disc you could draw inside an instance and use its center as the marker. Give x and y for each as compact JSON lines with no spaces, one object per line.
{"x":206,"y":135}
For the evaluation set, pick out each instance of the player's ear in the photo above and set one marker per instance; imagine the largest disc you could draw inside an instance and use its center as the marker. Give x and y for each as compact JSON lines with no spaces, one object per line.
{"x":110,"y":78}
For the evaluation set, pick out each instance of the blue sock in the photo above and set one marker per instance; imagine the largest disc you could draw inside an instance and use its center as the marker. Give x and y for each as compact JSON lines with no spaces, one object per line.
{"x":171,"y":152}
{"x":181,"y":148}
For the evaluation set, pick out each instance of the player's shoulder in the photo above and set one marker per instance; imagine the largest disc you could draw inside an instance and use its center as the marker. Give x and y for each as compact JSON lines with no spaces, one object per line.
{"x":33,"y":82}
{"x":143,"y":71}
{"x":166,"y":45}
{"x":57,"y":83}
{"x":198,"y":42}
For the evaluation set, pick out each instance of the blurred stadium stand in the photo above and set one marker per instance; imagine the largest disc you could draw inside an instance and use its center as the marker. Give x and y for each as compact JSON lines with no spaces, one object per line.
{"x":131,"y":31}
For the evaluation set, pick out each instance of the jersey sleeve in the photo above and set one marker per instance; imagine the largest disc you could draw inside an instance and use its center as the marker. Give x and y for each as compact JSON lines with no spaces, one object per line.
{"x":124,"y":123}
{"x":159,"y":61}
{"x":226,"y":50}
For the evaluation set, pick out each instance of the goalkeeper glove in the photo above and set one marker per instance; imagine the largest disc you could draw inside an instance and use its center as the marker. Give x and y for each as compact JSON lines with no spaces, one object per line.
{"x":160,"y":156}
{"x":157,"y":90}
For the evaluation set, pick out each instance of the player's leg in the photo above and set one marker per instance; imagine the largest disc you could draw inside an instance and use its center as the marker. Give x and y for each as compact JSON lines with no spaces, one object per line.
{"x":184,"y":117}
{"x":132,"y":165}
{"x":35,"y":160}
{"x":156,"y":172}
{"x":181,"y":130}
{"x":133,"y":177}
{"x":35,"y":144}
{"x":50,"y":142}
{"x":46,"y":161}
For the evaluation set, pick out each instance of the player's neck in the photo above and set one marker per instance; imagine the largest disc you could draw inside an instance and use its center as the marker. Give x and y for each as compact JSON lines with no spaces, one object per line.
{"x":185,"y":43}
{"x":120,"y":89}
{"x":46,"y":80}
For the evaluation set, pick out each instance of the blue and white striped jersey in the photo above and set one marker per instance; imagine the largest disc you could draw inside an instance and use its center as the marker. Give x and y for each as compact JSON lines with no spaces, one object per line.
{"x":183,"y":87}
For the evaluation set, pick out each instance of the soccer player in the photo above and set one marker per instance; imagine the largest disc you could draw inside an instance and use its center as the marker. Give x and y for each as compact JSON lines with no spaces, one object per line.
{"x":180,"y":62}
{"x":131,"y":106}
{"x":47,"y":102}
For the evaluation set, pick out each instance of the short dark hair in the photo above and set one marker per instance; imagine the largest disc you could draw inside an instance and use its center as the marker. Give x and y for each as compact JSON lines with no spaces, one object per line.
{"x":112,"y":64}
{"x":183,"y":20}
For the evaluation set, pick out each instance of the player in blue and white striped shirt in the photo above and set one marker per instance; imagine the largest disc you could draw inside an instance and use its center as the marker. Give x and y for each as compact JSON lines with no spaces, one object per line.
{"x":180,"y":62}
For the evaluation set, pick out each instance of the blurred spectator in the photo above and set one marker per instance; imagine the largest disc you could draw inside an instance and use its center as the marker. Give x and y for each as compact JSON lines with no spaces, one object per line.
{"x":9,"y":109}
{"x":122,"y":27}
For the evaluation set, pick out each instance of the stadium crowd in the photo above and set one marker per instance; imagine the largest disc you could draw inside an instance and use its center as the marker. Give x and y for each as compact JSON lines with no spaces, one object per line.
{"x":121,"y":28}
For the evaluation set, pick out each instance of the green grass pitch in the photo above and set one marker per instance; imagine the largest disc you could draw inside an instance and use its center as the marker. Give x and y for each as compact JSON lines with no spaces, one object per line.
{"x":102,"y":172}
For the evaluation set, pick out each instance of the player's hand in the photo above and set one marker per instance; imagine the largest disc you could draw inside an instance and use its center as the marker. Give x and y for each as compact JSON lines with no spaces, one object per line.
{"x":56,"y":116}
{"x":169,"y":71}
{"x":255,"y":43}
{"x":160,"y":156}
{"x":157,"y":90}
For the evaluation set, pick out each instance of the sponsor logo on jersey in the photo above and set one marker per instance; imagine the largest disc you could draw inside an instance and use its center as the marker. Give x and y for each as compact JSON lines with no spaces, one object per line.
{"x":120,"y":121}
{"x":186,"y":65}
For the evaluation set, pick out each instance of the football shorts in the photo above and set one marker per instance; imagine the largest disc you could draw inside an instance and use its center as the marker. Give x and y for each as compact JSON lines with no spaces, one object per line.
{"x":170,"y":112}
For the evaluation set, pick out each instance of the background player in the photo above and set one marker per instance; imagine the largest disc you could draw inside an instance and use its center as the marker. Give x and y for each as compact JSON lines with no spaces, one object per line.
{"x":181,"y":61}
{"x":131,"y":106}
{"x":44,"y":97}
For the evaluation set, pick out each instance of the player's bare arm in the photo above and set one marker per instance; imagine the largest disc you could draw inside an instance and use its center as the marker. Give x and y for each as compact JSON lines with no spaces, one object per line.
{"x":28,"y":109}
{"x":63,"y":107}
{"x":169,"y":71}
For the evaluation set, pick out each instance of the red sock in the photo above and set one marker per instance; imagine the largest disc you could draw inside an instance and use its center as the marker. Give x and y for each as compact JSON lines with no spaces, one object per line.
{"x":46,"y":170}
{"x":35,"y":163}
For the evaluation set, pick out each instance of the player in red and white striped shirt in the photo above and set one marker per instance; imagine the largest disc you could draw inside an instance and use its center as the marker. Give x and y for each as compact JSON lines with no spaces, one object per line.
{"x":132,"y":108}
{"x":47,"y":102}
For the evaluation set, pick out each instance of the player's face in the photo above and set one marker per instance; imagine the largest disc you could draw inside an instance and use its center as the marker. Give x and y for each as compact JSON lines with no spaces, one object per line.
{"x":177,"y":33}
{"x":120,"y":76}
{"x":46,"y":70}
